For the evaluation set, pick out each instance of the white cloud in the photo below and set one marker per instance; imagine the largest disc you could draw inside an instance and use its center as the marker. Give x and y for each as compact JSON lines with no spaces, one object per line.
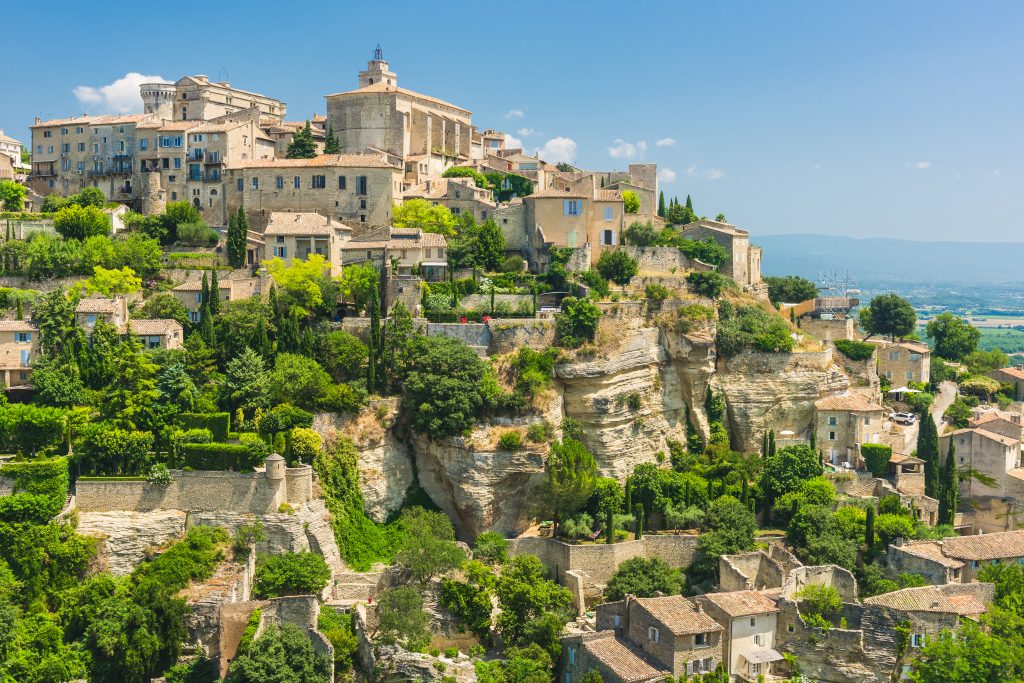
{"x":666,"y":175}
{"x":621,"y":149}
{"x":120,"y":97}
{"x":922,"y":164}
{"x":666,"y":142}
{"x":512,"y":142}
{"x":514,"y":114}
{"x":706,"y":173}
{"x":558,"y":150}
{"x":526,"y":132}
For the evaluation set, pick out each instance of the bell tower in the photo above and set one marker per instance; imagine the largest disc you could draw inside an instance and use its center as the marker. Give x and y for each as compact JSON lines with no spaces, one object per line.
{"x":377,"y":71}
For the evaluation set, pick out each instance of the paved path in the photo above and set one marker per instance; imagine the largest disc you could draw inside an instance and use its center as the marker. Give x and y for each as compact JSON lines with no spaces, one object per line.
{"x":945,"y":396}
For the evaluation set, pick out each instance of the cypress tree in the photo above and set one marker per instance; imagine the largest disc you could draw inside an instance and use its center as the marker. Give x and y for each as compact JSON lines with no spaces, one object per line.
{"x":950,"y":487}
{"x":743,"y":492}
{"x":869,"y":527}
{"x":639,"y":522}
{"x":661,"y":204}
{"x":814,"y":439}
{"x":204,"y":298}
{"x":711,"y":490}
{"x":375,"y":340}
{"x":20,"y":315}
{"x":237,"y":229}
{"x":689,"y":203}
{"x":214,"y":293}
{"x":771,"y":443}
{"x":262,"y":342}
{"x":928,"y":450}
{"x":206,"y":331}
{"x":687,"y":494}
{"x":609,"y":526}
{"x":764,"y":445}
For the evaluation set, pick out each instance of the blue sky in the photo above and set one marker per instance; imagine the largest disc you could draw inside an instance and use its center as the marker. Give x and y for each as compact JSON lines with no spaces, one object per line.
{"x":860,"y":119}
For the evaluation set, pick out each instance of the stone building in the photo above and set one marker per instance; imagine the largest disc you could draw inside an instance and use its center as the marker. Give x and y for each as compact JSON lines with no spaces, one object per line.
{"x":291,"y":236}
{"x":459,"y":195}
{"x":400,"y":252}
{"x":904,"y":362}
{"x":957,"y":559}
{"x":61,"y":154}
{"x":1014,"y":376}
{"x":111,"y":311}
{"x":357,"y":189}
{"x":845,"y":422}
{"x":189,"y":293}
{"x":19,"y":344}
{"x":999,"y":422}
{"x":750,"y":619}
{"x":198,"y":98}
{"x":579,"y":215}
{"x":669,"y":634}
{"x":382,"y":116}
{"x":283,"y":132}
{"x":11,"y":148}
{"x":744,"y":262}
{"x":995,"y":500}
{"x":641,"y":180}
{"x":157,"y":333}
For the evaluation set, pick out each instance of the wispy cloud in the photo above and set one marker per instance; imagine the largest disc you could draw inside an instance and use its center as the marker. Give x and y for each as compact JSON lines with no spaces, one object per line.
{"x":514,"y":114}
{"x":621,"y":149}
{"x":526,"y":132}
{"x":666,"y":175}
{"x":706,"y":173}
{"x":558,"y":150}
{"x":120,"y":97}
{"x":921,"y":164}
{"x":666,"y":142}
{"x":512,"y":142}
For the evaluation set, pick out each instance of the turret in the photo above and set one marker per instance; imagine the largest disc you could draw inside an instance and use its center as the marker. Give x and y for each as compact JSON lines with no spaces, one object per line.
{"x":275,"y":467}
{"x":158,"y":98}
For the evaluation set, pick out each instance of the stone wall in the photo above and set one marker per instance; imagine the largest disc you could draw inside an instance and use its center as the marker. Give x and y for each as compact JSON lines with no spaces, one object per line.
{"x":821,"y":575}
{"x":405,"y":289}
{"x":510,"y":334}
{"x":474,"y":334}
{"x":196,"y":492}
{"x":652,"y":260}
{"x":511,"y":218}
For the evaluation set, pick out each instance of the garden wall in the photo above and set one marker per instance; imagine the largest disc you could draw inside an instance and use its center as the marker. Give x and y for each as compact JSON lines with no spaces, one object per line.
{"x":508,"y":335}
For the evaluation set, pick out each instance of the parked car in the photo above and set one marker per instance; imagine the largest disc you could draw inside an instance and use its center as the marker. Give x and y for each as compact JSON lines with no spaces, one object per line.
{"x":903,"y":418}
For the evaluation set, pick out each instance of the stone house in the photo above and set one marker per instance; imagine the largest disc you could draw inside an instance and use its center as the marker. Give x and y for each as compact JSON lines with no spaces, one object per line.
{"x":756,"y":570}
{"x":926,"y":559}
{"x":843,"y":423}
{"x":614,"y":657}
{"x":357,"y":189}
{"x":994,"y":502}
{"x":113,"y":311}
{"x":163,"y":162}
{"x":189,"y":293}
{"x":999,"y":422}
{"x":157,"y":333}
{"x":641,"y":180}
{"x":196,"y":97}
{"x":1014,"y":376}
{"x":291,"y":236}
{"x":459,"y":195}
{"x":673,"y":632}
{"x":283,"y":132}
{"x":61,"y":154}
{"x":10,"y":148}
{"x":19,"y":344}
{"x":750,"y":619}
{"x":904,"y":362}
{"x":957,"y":559}
{"x":580,"y":215}
{"x":744,"y":262}
{"x":401,"y":252}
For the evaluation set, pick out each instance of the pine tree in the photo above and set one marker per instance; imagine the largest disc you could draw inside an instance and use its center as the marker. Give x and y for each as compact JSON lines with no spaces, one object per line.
{"x":204,"y":298}
{"x":950,"y":488}
{"x":237,"y":229}
{"x":214,"y":294}
{"x":331,"y":144}
{"x":302,"y":145}
{"x":869,"y":527}
{"x":661,"y":204}
{"x":928,"y":450}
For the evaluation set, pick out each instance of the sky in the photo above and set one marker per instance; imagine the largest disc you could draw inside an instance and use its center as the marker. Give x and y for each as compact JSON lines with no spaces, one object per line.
{"x":865,"y":119}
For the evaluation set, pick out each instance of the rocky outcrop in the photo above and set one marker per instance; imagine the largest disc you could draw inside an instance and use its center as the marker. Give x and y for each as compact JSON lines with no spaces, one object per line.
{"x":774,"y":391}
{"x":283,"y":533}
{"x":128,"y":537}
{"x":397,"y":664}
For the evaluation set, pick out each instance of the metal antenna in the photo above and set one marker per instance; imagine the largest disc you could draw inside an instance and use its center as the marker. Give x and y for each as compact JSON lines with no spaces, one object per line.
{"x":378,"y":54}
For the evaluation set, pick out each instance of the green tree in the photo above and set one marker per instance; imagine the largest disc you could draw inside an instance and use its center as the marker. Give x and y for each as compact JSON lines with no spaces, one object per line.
{"x":491,"y":245}
{"x":429,"y":547}
{"x":165,"y":306}
{"x":949,"y":487}
{"x":290,"y":574}
{"x":113,"y":282}
{"x":954,"y":338}
{"x":300,"y":283}
{"x":526,"y":594}
{"x":280,"y":655}
{"x":466,"y":172}
{"x":401,"y":618}
{"x":577,"y":322}
{"x":661,"y":204}
{"x":302,"y":145}
{"x":247,"y":383}
{"x":89,"y":196}
{"x":869,"y":527}
{"x":490,"y":547}
{"x":298,"y":380}
{"x":617,"y":266}
{"x":421,"y":214}
{"x":630,"y":202}
{"x":787,"y":470}
{"x":331,"y":143}
{"x":928,"y":450}
{"x":238,"y":229}
{"x":12,"y":195}
{"x":79,"y":222}
{"x":790,"y":289}
{"x":571,"y":478}
{"x":643,"y":577}
{"x":888,"y":314}
{"x":214,"y":299}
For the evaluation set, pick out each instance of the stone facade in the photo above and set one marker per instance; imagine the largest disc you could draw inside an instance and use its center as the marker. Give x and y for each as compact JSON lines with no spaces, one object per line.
{"x":904,"y":362}
{"x":19,"y":344}
{"x":843,"y":423}
{"x":744,"y":263}
{"x":579,"y":214}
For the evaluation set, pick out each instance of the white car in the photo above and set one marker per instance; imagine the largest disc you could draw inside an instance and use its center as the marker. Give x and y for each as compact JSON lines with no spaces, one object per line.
{"x":903,"y":418}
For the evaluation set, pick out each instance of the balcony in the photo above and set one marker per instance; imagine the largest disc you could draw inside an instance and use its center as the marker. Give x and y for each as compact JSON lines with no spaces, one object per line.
{"x":195,"y":155}
{"x":213,"y":177}
{"x":44,"y":172}
{"x":214,"y":158}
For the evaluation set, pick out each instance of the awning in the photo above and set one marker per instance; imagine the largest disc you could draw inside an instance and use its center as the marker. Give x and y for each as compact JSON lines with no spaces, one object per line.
{"x":904,"y":390}
{"x":435,"y":264}
{"x":761,"y":655}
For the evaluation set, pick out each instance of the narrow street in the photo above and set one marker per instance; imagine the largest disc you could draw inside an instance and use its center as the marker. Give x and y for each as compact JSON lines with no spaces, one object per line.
{"x":946,"y":395}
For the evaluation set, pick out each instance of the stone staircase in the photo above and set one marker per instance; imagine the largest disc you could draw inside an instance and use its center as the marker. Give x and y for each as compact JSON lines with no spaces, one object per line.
{"x":352,"y":587}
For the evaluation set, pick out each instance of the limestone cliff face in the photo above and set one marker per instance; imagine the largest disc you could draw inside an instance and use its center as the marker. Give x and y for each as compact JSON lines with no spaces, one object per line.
{"x":127,"y":537}
{"x":774,"y":391}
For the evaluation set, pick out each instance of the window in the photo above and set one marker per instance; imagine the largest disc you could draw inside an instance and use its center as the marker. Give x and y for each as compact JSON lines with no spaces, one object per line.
{"x":790,"y":628}
{"x":757,"y":639}
{"x":319,"y":182}
{"x":174,"y":195}
{"x":25,"y":357}
{"x":607,"y":237}
{"x":910,"y":374}
{"x":755,"y":668}
{"x":95,"y":148}
{"x":81,"y":146}
{"x":571,"y":207}
{"x":867,"y":421}
{"x":888,"y":374}
{"x":975,"y":564}
{"x":296,"y":182}
{"x":280,"y":239}
{"x":90,"y":319}
{"x":361,"y":184}
{"x":281,"y":252}
{"x":917,"y":640}
{"x":66,"y":147}
{"x":255,"y":183}
{"x":49,"y":150}
{"x":143,"y":143}
{"x":572,"y":656}
{"x":753,"y":621}
{"x":653,"y":635}
{"x":39,"y":149}
{"x":833,"y":421}
{"x":177,"y":162}
{"x":362,"y":204}
{"x":831,"y":436}
{"x":279,"y":182}
{"x":915,"y":356}
{"x":241,"y":184}
{"x":47,"y":133}
{"x":362,"y":218}
{"x":23,"y":337}
{"x":456,"y":211}
{"x":341,"y":182}
{"x":617,"y":621}
{"x":700,"y":640}
{"x":193,"y":316}
{"x":894,"y":355}
{"x":608,"y":213}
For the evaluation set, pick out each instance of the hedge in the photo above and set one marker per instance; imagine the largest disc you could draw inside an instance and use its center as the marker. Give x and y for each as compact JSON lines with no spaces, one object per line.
{"x":219,"y":424}
{"x":44,"y":477}
{"x":854,"y":350}
{"x":220,"y":456}
{"x":876,"y":456}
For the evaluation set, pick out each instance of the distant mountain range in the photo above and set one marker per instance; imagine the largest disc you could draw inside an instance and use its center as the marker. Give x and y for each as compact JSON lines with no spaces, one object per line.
{"x":874,"y":260}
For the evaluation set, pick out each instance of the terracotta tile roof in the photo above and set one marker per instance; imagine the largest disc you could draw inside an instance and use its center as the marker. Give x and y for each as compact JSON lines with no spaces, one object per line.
{"x":395,"y":238}
{"x":1012,"y":371}
{"x":742,"y":603}
{"x":1003,"y":544}
{"x":179,"y":125}
{"x":605,"y":195}
{"x":85,"y":119}
{"x":714,"y":225}
{"x":196,"y":285}
{"x":385,"y":88}
{"x":95,"y":305}
{"x":991,"y":416}
{"x":17,"y":326}
{"x":561,"y":194}
{"x":324,"y":160}
{"x":628,"y":664}
{"x":852,"y":402}
{"x":284,"y":223}
{"x":679,"y":615}
{"x":913,"y":346}
{"x":7,"y":138}
{"x":154,"y":326}
{"x":931,"y":599}
{"x":900,"y":458}
{"x":930,"y":550}
{"x":991,"y":436}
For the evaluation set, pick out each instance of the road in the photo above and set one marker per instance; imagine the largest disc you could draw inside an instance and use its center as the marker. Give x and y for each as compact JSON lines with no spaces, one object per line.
{"x":946,"y":395}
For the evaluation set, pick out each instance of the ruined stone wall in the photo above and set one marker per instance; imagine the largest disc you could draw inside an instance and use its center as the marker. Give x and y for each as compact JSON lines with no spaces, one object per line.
{"x":511,"y":218}
{"x":662,"y":260}
{"x":473,"y":334}
{"x":508,"y":335}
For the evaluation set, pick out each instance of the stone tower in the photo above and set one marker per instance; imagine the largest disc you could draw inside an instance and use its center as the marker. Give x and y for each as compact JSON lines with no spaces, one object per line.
{"x":152,"y":196}
{"x":158,"y":98}
{"x":377,"y":71}
{"x":275,"y":467}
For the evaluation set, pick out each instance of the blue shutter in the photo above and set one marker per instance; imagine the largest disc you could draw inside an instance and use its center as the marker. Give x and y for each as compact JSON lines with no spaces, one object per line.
{"x":565,"y":207}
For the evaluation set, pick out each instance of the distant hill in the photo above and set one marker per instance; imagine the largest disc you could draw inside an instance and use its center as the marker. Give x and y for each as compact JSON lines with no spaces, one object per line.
{"x":892,"y":260}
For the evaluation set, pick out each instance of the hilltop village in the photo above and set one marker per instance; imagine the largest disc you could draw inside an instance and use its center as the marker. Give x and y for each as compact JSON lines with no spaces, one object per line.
{"x":374,"y":396}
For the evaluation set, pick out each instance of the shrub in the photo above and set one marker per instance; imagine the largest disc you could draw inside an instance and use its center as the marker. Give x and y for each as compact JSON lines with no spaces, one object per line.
{"x":222,"y":456}
{"x":920,"y":402}
{"x":491,"y":548}
{"x":877,"y":457}
{"x":823,"y":601}
{"x":617,"y":266}
{"x":159,"y":475}
{"x":643,"y":577}
{"x":79,"y":222}
{"x":706,"y":251}
{"x":597,"y":283}
{"x":197,"y":234}
{"x":513,"y":264}
{"x":510,"y":441}
{"x":577,"y":321}
{"x":534,"y":370}
{"x":656,"y":292}
{"x":855,"y":350}
{"x":539,"y":432}
{"x":752,"y":326}
{"x":707,"y":283}
{"x":219,"y":424}
{"x":290,"y":574}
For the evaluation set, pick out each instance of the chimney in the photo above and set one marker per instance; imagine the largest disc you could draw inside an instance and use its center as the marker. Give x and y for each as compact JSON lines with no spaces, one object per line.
{"x":38,"y":120}
{"x":428,"y":186}
{"x":700,"y":607}
{"x":1019,"y":367}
